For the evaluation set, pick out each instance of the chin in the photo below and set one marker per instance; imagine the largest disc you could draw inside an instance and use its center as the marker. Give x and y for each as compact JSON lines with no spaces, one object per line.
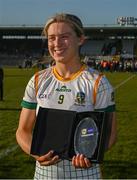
{"x":59,"y":59}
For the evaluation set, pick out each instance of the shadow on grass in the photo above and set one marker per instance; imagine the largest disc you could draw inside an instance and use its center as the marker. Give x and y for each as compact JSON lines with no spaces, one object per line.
{"x":17,"y":170}
{"x":17,"y":75}
{"x":10,"y":109}
{"x":122,"y":111}
{"x":120,"y":169}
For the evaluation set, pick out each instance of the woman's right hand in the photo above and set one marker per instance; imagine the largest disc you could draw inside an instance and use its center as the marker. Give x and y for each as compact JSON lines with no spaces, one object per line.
{"x":48,"y":159}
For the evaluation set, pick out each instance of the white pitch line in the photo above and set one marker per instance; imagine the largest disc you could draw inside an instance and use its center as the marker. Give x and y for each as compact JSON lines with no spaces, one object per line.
{"x":11,"y":149}
{"x":123,"y":82}
{"x":5,"y":153}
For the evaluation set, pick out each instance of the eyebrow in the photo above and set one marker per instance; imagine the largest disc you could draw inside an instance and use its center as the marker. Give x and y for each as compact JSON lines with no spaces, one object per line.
{"x":66,"y":33}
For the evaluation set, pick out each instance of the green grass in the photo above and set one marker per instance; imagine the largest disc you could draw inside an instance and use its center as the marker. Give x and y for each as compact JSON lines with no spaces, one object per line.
{"x":120,"y":162}
{"x":16,"y":164}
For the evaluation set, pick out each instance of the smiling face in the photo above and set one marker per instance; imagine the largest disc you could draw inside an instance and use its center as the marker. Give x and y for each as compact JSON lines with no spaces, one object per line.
{"x":63,"y":43}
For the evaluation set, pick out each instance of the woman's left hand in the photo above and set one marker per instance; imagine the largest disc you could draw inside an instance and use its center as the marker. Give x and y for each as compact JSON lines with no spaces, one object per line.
{"x":80,"y":161}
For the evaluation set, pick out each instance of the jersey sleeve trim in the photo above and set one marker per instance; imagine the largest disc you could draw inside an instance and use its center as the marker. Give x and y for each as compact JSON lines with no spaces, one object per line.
{"x":107,"y":109}
{"x":28,"y":105}
{"x":36,"y":82}
{"x":96,"y":88}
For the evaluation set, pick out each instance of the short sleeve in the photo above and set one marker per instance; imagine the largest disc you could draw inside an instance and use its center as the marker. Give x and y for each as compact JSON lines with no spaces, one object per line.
{"x":29,"y":100}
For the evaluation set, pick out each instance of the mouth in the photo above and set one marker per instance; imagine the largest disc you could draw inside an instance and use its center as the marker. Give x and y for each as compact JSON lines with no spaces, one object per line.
{"x":59,"y":51}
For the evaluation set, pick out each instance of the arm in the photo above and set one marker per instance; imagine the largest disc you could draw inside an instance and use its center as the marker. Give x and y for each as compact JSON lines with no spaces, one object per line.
{"x":105,"y":102}
{"x":24,"y":131}
{"x":113,"y":133}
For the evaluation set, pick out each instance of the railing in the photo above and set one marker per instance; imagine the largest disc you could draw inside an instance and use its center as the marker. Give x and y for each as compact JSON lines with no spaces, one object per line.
{"x":42,"y":25}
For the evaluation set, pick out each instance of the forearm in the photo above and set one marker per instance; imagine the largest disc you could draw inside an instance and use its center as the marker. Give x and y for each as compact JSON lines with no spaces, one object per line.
{"x":24,"y":140}
{"x":25,"y":129}
{"x":113,"y":135}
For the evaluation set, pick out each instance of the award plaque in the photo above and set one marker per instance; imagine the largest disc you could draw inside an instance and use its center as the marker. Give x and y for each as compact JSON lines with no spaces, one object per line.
{"x":86,"y":137}
{"x":68,"y":133}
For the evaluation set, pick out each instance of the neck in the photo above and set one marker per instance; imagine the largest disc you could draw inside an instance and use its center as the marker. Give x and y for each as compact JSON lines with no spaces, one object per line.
{"x":67,"y":70}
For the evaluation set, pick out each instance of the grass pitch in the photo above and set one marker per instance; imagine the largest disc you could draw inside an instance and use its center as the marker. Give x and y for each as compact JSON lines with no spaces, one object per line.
{"x":120,"y":161}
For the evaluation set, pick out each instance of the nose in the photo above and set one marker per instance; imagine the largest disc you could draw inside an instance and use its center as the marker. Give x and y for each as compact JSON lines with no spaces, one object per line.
{"x":57,"y":41}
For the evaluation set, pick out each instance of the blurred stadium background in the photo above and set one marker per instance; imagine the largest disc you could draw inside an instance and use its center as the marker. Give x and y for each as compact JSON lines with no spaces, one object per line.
{"x":23,"y":46}
{"x":109,"y":48}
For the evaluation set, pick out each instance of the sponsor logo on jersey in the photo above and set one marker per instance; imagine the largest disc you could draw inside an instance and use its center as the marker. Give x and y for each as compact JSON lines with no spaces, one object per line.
{"x":44,"y":96}
{"x":63,"y":89}
{"x":80,"y":98}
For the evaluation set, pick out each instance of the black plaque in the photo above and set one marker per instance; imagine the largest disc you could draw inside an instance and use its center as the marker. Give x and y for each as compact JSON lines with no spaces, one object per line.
{"x":69,"y":133}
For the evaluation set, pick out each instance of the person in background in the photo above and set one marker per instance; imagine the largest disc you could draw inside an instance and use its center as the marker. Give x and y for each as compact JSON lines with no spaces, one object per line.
{"x":1,"y":83}
{"x":86,"y":90}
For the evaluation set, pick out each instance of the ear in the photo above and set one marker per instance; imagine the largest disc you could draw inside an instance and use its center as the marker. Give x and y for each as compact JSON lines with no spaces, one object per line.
{"x":81,"y":40}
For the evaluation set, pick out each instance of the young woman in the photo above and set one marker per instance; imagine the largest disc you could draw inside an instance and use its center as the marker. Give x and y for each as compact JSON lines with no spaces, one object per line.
{"x":86,"y":90}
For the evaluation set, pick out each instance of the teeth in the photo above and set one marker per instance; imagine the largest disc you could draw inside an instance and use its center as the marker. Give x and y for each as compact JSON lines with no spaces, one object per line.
{"x":58,"y":51}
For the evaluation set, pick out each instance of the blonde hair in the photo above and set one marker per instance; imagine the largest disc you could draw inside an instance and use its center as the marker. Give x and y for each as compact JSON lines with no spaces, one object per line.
{"x":71,"y":19}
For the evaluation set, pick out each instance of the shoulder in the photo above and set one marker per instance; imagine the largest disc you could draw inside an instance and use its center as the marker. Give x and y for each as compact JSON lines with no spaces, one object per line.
{"x":97,"y":77}
{"x":93,"y":74}
{"x":43,"y":74}
{"x":39,"y":75}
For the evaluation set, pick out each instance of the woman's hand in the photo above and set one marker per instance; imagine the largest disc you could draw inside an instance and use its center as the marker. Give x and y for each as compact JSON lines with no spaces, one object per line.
{"x":80,"y":161}
{"x":48,"y":159}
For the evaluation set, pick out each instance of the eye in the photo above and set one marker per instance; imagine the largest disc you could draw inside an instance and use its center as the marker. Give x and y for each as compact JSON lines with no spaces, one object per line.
{"x":65,"y":37}
{"x":51,"y":38}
